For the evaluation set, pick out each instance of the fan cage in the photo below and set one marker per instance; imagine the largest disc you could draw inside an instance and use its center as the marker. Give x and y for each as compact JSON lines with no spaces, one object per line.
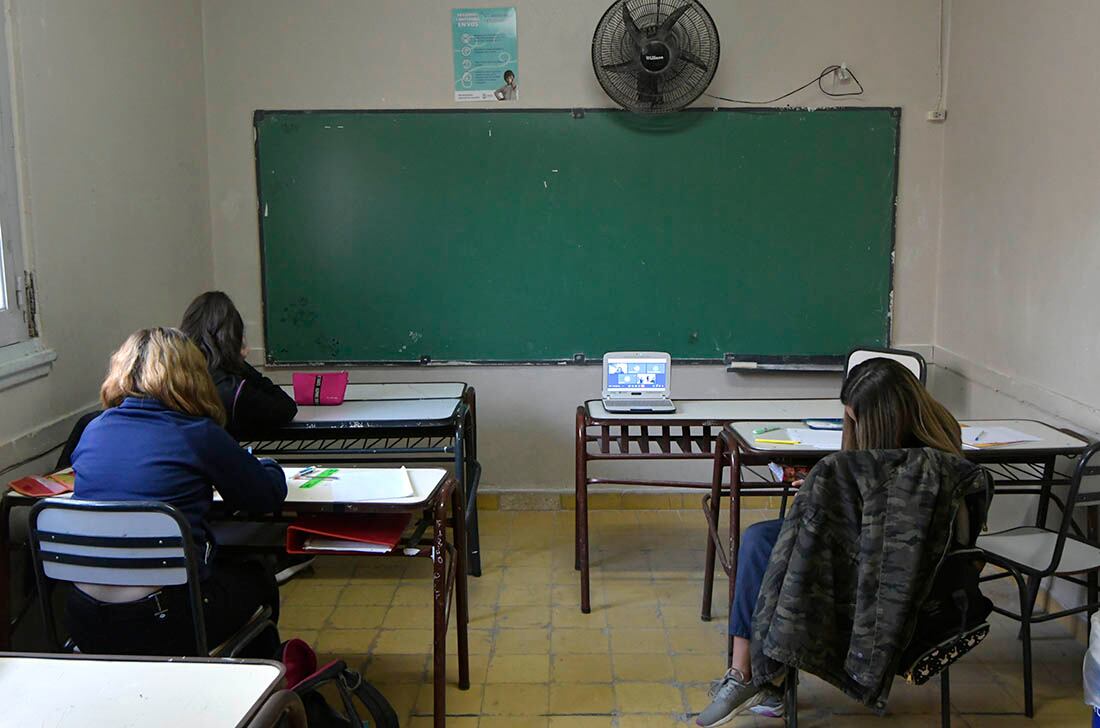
{"x":626,"y":83}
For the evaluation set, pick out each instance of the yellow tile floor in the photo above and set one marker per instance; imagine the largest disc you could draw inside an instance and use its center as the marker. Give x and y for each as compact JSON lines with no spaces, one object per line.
{"x":641,"y":658}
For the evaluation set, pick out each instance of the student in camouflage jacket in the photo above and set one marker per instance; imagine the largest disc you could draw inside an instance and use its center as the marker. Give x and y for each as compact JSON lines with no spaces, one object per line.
{"x":855,"y":558}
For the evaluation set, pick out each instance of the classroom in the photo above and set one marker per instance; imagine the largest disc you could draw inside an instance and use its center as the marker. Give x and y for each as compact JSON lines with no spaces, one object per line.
{"x":549,"y":363}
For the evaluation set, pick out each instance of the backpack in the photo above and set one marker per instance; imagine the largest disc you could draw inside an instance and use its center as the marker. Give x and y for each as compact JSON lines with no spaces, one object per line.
{"x":304,"y":678}
{"x":952,"y":619}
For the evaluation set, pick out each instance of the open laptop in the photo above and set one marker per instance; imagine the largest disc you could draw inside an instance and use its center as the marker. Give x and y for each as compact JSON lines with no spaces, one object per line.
{"x":637,"y":381}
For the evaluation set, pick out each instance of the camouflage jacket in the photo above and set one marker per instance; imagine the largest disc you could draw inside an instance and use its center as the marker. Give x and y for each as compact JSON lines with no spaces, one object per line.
{"x":854,"y":561}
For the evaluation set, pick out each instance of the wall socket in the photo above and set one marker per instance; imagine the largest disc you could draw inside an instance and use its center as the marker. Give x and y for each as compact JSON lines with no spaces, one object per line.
{"x":843,"y":75}
{"x":937,"y":116}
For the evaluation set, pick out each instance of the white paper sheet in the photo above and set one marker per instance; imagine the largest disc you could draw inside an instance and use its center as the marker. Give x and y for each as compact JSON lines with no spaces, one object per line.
{"x":977,"y":437}
{"x":320,"y":543}
{"x":817,"y":439}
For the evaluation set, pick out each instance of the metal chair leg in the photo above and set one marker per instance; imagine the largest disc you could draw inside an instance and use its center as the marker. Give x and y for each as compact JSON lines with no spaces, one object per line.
{"x":945,"y":698}
{"x":1027,"y":603}
{"x":790,"y":698}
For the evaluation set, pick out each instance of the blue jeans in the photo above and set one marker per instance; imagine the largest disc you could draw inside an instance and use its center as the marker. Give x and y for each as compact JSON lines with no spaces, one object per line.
{"x":757,"y":543}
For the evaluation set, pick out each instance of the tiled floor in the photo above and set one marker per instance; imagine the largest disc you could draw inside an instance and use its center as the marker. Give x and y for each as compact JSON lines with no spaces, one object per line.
{"x":641,"y":658}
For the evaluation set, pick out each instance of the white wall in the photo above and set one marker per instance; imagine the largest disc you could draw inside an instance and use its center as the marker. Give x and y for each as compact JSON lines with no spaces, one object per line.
{"x":111,"y":134}
{"x":1021,"y":224}
{"x":271,"y":54}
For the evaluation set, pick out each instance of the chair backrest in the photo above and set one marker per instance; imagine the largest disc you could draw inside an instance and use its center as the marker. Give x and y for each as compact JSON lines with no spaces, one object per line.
{"x":912,"y":361}
{"x":123,"y":543}
{"x":1084,"y":490}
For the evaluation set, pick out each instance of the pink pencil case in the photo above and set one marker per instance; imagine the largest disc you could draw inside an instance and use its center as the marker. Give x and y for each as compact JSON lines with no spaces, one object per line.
{"x":323,"y":388}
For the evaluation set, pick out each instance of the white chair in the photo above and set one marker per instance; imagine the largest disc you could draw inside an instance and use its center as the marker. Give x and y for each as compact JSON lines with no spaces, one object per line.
{"x":912,"y":361}
{"x":1030,"y":553}
{"x":123,"y":543}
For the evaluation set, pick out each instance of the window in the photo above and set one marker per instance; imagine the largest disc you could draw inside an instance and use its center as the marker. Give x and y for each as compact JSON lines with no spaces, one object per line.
{"x":15,"y":308}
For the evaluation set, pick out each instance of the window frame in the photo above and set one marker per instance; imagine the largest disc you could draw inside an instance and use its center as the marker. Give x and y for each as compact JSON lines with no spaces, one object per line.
{"x":15,"y":308}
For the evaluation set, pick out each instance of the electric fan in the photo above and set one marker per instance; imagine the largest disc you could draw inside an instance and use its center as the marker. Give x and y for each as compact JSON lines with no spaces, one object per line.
{"x":653,"y":56}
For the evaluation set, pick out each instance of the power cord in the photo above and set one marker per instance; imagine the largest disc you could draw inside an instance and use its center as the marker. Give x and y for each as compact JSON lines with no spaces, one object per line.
{"x":818,"y":80}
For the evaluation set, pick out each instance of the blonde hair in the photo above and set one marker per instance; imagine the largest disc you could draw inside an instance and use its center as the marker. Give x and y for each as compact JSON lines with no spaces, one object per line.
{"x":893,"y":410}
{"x":164,"y":364}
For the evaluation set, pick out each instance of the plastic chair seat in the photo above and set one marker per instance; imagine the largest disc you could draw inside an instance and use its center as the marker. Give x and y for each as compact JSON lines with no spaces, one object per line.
{"x":1033,"y":549}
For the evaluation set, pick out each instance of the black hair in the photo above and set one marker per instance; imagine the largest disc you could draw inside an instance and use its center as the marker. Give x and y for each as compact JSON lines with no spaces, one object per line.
{"x":507,"y":74}
{"x":216,"y":327}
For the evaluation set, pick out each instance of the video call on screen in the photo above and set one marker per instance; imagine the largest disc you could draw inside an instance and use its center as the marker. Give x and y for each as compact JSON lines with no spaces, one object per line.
{"x":636,"y":374}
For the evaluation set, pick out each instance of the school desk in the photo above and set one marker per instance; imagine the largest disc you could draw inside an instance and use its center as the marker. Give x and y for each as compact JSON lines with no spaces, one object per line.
{"x":686,"y":434}
{"x":433,"y":490}
{"x":93,"y":691}
{"x":407,"y":422}
{"x":1022,"y":468}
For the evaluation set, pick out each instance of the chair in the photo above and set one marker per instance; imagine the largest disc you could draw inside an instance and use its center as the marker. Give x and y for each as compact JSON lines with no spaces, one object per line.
{"x":1036,"y":552}
{"x":123,"y":543}
{"x":913,"y":361}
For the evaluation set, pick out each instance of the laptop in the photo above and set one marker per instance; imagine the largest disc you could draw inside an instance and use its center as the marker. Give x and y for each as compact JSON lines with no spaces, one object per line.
{"x":637,"y":381}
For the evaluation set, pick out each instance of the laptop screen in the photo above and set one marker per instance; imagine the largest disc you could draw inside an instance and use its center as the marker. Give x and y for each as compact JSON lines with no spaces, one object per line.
{"x":629,"y":375}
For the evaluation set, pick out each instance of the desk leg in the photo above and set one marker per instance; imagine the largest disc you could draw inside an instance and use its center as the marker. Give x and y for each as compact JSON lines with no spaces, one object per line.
{"x":1091,"y":585}
{"x":715,"y":512}
{"x":581,"y":512}
{"x":439,"y":607}
{"x":1041,"y":511}
{"x":462,"y":619}
{"x":735,"y":533}
{"x":468,"y":486}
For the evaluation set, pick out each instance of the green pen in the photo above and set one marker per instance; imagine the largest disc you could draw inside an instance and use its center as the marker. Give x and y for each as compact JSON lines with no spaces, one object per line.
{"x":762,"y":430}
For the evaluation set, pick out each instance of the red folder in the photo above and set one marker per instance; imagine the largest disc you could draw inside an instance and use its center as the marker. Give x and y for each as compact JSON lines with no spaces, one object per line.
{"x":43,"y":486}
{"x":379,"y":529}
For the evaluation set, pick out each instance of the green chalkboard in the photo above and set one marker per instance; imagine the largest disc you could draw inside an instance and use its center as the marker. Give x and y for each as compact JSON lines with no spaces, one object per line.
{"x":500,"y":236}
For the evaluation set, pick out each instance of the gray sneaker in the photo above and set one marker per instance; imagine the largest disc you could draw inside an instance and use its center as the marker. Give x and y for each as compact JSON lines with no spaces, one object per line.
{"x":731,"y":696}
{"x":771,"y":703}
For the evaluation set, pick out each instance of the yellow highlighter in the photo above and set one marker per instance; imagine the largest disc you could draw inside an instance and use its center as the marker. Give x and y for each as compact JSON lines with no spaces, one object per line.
{"x":778,"y":442}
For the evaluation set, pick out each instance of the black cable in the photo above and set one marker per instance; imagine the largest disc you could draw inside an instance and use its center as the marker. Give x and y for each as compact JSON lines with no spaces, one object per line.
{"x":818,"y":80}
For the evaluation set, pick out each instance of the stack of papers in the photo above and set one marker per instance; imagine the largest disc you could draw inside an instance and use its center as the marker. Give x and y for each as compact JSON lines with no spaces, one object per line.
{"x":975,"y":437}
{"x":320,"y":543}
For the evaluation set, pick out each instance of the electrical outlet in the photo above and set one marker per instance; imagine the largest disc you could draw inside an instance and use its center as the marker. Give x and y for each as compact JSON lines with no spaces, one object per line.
{"x":938,"y":115}
{"x":843,"y":74}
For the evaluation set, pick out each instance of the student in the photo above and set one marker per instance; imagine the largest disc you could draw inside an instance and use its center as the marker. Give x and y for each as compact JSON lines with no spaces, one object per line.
{"x":160,"y":439}
{"x":253,"y":403}
{"x":509,"y":91}
{"x":885,"y":407}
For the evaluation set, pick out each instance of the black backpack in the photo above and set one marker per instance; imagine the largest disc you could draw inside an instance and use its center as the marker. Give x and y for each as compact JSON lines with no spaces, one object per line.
{"x":356,"y":694}
{"x":952,"y":619}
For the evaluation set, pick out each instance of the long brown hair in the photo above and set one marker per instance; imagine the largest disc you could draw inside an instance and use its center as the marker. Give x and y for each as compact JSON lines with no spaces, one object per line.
{"x":166,"y":365}
{"x":893,"y":409}
{"x":216,"y":327}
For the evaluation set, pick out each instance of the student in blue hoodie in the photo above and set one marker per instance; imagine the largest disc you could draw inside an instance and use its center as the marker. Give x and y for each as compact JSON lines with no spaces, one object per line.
{"x":161,"y":438}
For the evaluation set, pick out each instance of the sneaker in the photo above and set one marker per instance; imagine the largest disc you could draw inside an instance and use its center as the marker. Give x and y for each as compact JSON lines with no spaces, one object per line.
{"x":771,"y":703}
{"x":731,"y":696}
{"x":292,"y":566}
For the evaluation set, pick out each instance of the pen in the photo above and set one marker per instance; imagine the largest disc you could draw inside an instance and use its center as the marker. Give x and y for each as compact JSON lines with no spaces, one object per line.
{"x":762,"y":430}
{"x":305,"y":471}
{"x":979,"y":435}
{"x":778,"y":442}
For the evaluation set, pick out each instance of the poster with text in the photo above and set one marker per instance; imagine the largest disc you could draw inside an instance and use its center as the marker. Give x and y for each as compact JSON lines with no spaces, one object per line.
{"x":485,"y":54}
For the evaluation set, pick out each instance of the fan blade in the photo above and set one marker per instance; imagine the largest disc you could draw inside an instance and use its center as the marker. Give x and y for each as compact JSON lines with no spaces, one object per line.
{"x":672,"y":18}
{"x":692,"y":59}
{"x":632,"y":28}
{"x":618,"y":67}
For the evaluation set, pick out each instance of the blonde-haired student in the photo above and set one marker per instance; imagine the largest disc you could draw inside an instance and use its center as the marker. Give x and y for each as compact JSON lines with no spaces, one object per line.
{"x":161,"y":439}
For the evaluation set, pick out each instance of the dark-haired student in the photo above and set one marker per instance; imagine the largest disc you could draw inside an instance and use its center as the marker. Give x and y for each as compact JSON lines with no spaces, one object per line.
{"x":160,"y":438}
{"x":253,"y":403}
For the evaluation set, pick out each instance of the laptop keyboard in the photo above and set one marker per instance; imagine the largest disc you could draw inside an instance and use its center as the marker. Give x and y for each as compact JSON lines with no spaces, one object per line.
{"x":636,"y":403}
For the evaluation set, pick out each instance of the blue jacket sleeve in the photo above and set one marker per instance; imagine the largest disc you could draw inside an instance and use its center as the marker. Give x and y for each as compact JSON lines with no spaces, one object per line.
{"x":244,"y":482}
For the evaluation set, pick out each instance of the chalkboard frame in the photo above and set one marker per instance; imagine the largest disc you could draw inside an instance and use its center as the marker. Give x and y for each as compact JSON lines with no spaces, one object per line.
{"x":809,"y":362}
